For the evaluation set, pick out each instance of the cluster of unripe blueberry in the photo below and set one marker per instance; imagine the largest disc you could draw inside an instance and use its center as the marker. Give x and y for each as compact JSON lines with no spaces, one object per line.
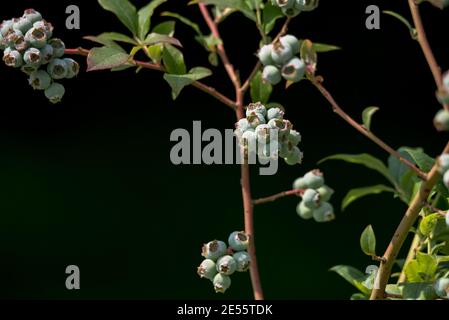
{"x":222,"y":261}
{"x":292,"y":8}
{"x":27,"y":44}
{"x":280,"y":60}
{"x":315,"y":197}
{"x":269,"y":134}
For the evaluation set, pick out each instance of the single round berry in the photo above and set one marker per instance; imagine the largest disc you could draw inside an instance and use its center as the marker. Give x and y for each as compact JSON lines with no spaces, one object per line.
{"x":32,"y":57}
{"x":441,"y":120}
{"x":294,"y":157}
{"x":314,"y":179}
{"x":271,"y":74}
{"x":214,"y":250}
{"x":304,"y":211}
{"x":294,"y":70}
{"x":311,"y":198}
{"x":13,"y":38}
{"x":307,"y":5}
{"x":446,"y":79}
{"x":294,"y":137}
{"x":221,"y":283}
{"x":40,"y":80}
{"x":443,"y":162}
{"x":243,"y":125}
{"x":281,"y":53}
{"x":23,"y":25}
{"x":264,"y":55}
{"x":36,"y":37}
{"x":5,"y":27}
{"x":442,"y":287}
{"x":238,"y":241}
{"x":47,"y":27}
{"x":275,"y":113}
{"x":269,"y":151}
{"x":73,"y":68}
{"x":256,"y":107}
{"x":46,"y":54}
{"x":29,"y":69}
{"x":276,"y":124}
{"x":285,"y":3}
{"x":57,"y":68}
{"x":249,"y":140}
{"x":226,"y":265}
{"x":326,"y":193}
{"x":446,"y":179}
{"x":32,"y":15}
{"x":324,"y":213}
{"x":55,"y":92}
{"x":300,"y":184}
{"x":243,"y":261}
{"x":285,"y":130}
{"x":292,"y":41}
{"x":207,"y":269}
{"x":255,"y":119}
{"x":20,"y":44}
{"x":58,"y":47}
{"x":13,"y":58}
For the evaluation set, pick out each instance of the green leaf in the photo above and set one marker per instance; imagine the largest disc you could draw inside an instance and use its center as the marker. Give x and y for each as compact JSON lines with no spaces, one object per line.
{"x":367,"y":115}
{"x":270,"y":15}
{"x":145,"y":15}
{"x":105,"y":58}
{"x":423,"y":161}
{"x":412,"y":30}
{"x":239,"y":5}
{"x":166,"y":27}
{"x":358,"y":193}
{"x":440,"y":4}
{"x":155,"y":38}
{"x":428,"y":224}
{"x":260,"y":90}
{"x":104,"y":41}
{"x":173,"y":60}
{"x":353,"y":276}
{"x":418,"y":291}
{"x":359,"y":296}
{"x":421,"y":269}
{"x":114,"y":36}
{"x":179,"y":82}
{"x":368,"y":241}
{"x":125,"y":12}
{"x":322,"y":47}
{"x":364,"y":159}
{"x":184,"y":20}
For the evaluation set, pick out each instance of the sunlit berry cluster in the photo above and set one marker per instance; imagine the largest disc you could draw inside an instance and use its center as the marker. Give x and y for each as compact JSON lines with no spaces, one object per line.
{"x":291,"y":8}
{"x":222,"y":261}
{"x":315,"y":197}
{"x":280,"y":61}
{"x":27,"y":44}
{"x":265,"y":133}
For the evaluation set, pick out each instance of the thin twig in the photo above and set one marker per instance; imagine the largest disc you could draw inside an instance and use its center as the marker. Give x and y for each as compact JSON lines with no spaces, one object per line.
{"x":425,"y":46}
{"x":367,"y":133}
{"x":197,"y":84}
{"x":435,"y":210}
{"x":403,"y":229}
{"x":278,"y":196}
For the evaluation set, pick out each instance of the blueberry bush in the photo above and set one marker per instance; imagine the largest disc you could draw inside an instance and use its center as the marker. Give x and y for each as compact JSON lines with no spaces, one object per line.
{"x":415,"y":178}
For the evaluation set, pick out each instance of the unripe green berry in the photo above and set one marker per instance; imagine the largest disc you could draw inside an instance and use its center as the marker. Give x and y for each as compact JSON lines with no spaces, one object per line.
{"x":47,"y":27}
{"x":221,"y":283}
{"x":294,"y":70}
{"x":5,"y":27}
{"x":29,"y":69}
{"x":32,"y":15}
{"x":443,"y":162}
{"x":55,"y":92}
{"x":243,"y":261}
{"x":40,"y":80}
{"x":304,"y":211}
{"x":207,"y":269}
{"x":441,"y":120}
{"x":226,"y":265}
{"x":292,"y":41}
{"x":58,"y":47}
{"x":13,"y":58}
{"x":238,"y":241}
{"x":294,"y":137}
{"x":214,"y":250}
{"x":307,"y":5}
{"x":36,"y":37}
{"x":256,"y":107}
{"x":442,"y":287}
{"x":324,"y":213}
{"x":300,"y":184}
{"x":446,"y":179}
{"x":275,"y":113}
{"x":46,"y":54}
{"x":255,"y":119}
{"x":281,"y":53}
{"x":249,"y":140}
{"x":32,"y":57}
{"x":294,"y":157}
{"x":276,"y":124}
{"x":264,"y":55}
{"x":20,"y":44}
{"x":73,"y":68}
{"x":326,"y":193}
{"x":311,"y":198}
{"x":23,"y":25}
{"x":314,"y":179}
{"x":271,"y":74}
{"x":57,"y":69}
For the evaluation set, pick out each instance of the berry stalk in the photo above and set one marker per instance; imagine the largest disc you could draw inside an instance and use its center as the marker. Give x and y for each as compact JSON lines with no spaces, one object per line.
{"x":278,"y":196}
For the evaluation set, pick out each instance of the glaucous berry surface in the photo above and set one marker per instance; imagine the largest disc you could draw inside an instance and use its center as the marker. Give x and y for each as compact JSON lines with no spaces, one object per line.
{"x":27,"y":44}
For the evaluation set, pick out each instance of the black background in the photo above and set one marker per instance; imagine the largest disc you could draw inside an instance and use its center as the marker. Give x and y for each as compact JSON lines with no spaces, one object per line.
{"x":89,"y":181}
